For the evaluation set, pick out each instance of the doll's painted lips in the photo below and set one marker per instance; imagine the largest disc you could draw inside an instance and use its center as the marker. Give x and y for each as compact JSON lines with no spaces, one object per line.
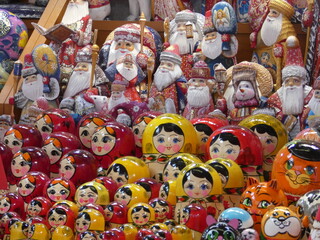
{"x":99,"y":149}
{"x":17,"y":170}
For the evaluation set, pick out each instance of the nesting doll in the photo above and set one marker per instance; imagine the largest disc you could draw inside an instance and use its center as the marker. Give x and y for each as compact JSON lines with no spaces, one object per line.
{"x":180,"y":232}
{"x":165,"y":136}
{"x":109,"y":184}
{"x":162,"y":208}
{"x":56,"y":145}
{"x":38,"y":206}
{"x":141,"y":215}
{"x":38,"y":231}
{"x":151,"y":185}
{"x":130,"y":231}
{"x":4,"y":222}
{"x":168,"y":192}
{"x":58,"y":189}
{"x":88,"y":235}
{"x":60,"y":216}
{"x":130,"y":194}
{"x":62,"y":233}
{"x":197,"y":183}
{"x":6,"y":157}
{"x":90,"y":220}
{"x":12,"y":202}
{"x":92,"y":192}
{"x":115,"y":214}
{"x":222,"y":230}
{"x":111,"y":141}
{"x":244,"y":218}
{"x":18,"y":230}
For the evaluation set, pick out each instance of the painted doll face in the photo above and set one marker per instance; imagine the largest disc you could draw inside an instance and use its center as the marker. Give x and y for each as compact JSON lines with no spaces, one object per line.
{"x":137,"y":132}
{"x":58,"y":192}
{"x":162,"y":193}
{"x":43,"y":127}
{"x":108,"y":214}
{"x":117,"y":177}
{"x":53,"y":152}
{"x":56,"y":219}
{"x":202,"y":139}
{"x":141,"y":217}
{"x":170,"y":173}
{"x":4,"y":205}
{"x":88,"y":237}
{"x":168,"y":142}
{"x":13,"y":143}
{"x":33,"y":210}
{"x":19,"y":166}
{"x":196,"y":187}
{"x":122,"y":198}
{"x":25,"y":187}
{"x":224,"y":149}
{"x":82,"y":224}
{"x":245,"y":91}
{"x":102,"y":142}
{"x":67,"y":170}
{"x":86,"y":132}
{"x":160,"y":211}
{"x":86,"y":196}
{"x":269,"y":143}
{"x":184,"y":217}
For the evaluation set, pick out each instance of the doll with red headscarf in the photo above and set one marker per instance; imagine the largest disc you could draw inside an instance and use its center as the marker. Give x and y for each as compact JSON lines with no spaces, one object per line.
{"x":12,"y":202}
{"x":59,"y":189}
{"x":116,"y":214}
{"x":38,"y":206}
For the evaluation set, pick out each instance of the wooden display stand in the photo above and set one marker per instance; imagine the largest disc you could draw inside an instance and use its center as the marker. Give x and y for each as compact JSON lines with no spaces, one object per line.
{"x":54,"y":13}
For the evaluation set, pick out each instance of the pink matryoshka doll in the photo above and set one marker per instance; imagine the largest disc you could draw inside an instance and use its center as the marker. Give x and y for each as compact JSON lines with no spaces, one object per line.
{"x":204,"y":127}
{"x":239,"y":144}
{"x":162,"y":208}
{"x":56,"y":145}
{"x":109,"y":184}
{"x":28,"y":159}
{"x":38,"y":206}
{"x":88,"y":124}
{"x":111,"y":141}
{"x":59,"y":189}
{"x":60,"y":215}
{"x":54,"y":120}
{"x":116,"y":214}
{"x":79,"y":166}
{"x":138,"y":127}
{"x":151,"y":185}
{"x":21,"y":135}
{"x":12,"y":202}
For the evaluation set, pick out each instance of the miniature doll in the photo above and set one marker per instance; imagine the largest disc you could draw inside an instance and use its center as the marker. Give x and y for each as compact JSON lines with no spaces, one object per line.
{"x":115,"y":214}
{"x":60,"y":216}
{"x":89,"y":220}
{"x":151,"y":185}
{"x":162,"y":209}
{"x":141,"y":215}
{"x":130,"y":194}
{"x":38,"y":206}
{"x":12,"y":202}
{"x":92,"y":192}
{"x":59,"y":189}
{"x":168,"y":192}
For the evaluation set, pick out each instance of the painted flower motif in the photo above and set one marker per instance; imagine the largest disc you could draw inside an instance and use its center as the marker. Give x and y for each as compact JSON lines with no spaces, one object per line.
{"x":136,"y":108}
{"x":70,"y":50}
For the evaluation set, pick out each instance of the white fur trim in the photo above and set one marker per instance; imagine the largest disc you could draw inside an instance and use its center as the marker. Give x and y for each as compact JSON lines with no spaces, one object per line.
{"x":294,"y":71}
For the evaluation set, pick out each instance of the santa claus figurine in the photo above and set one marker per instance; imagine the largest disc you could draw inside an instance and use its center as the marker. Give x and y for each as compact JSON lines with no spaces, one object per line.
{"x":117,"y":94}
{"x":168,"y":89}
{"x":314,"y":103}
{"x":198,"y":96}
{"x":169,"y":8}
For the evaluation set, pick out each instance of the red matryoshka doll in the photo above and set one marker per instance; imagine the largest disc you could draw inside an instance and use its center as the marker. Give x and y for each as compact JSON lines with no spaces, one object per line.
{"x":111,"y":141}
{"x":273,"y":136}
{"x":29,"y":159}
{"x":21,"y":135}
{"x":151,"y":185}
{"x":168,"y":192}
{"x":38,"y":206}
{"x":12,"y":202}
{"x":60,"y":215}
{"x":297,"y":168}
{"x":239,"y":144}
{"x":88,"y":124}
{"x":197,"y":183}
{"x":116,"y":214}
{"x":130,"y":194}
{"x":164,"y":234}
{"x":54,"y":120}
{"x":37,"y":219}
{"x":204,"y":127}
{"x":258,"y":196}
{"x":232,"y":180}
{"x":127,"y":170}
{"x":130,"y":231}
{"x":79,"y":166}
{"x":56,"y":145}
{"x":112,"y":234}
{"x":58,"y":189}
{"x":138,"y":127}
{"x":90,"y":220}
{"x":31,"y":185}
{"x":6,"y":157}
{"x":38,"y":231}
{"x":146,"y":234}
{"x":165,"y":136}
{"x":62,"y":233}
{"x":176,"y":163}
{"x":141,"y":215}
{"x":92,"y":192}
{"x":194,"y":217}
{"x":281,"y":223}
{"x":109,"y":184}
{"x":162,"y":208}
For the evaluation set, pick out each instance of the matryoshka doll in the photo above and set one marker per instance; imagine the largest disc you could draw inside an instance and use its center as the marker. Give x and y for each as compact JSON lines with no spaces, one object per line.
{"x":239,"y":144}
{"x":58,"y":189}
{"x":87,"y":235}
{"x":60,"y":215}
{"x":109,"y":184}
{"x":204,"y":127}
{"x":297,"y":168}
{"x":4,"y":221}
{"x":79,"y":166}
{"x":38,"y":206}
{"x":130,"y":194}
{"x":141,"y":215}
{"x":165,"y":136}
{"x":127,"y":170}
{"x":38,"y":231}
{"x":62,"y":233}
{"x":176,"y":163}
{"x":232,"y":180}
{"x":21,"y":135}
{"x":138,"y":127}
{"x":12,"y":202}
{"x":17,"y":230}
{"x":28,"y":159}
{"x":130,"y":231}
{"x":168,"y":192}
{"x":197,"y":183}
{"x":54,"y":120}
{"x":162,"y":208}
{"x":111,"y":141}
{"x":92,"y":192}
{"x":116,"y":214}
{"x":244,"y":218}
{"x":273,"y":136}
{"x":90,"y":220}
{"x":56,"y":145}
{"x":112,"y":234}
{"x":151,"y":185}
{"x":181,"y":232}
{"x":88,"y":124}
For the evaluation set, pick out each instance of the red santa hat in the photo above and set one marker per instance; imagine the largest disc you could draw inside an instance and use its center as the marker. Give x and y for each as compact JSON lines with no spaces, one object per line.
{"x":208,"y":24}
{"x":294,"y":62}
{"x":84,"y":54}
{"x":185,"y":16}
{"x":200,"y":70}
{"x":29,"y":68}
{"x":171,"y":54}
{"x":128,"y":32}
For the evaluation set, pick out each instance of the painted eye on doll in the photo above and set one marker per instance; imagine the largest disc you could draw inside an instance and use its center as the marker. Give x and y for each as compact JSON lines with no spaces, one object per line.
{"x":136,"y":131}
{"x":263,"y":204}
{"x":15,"y":143}
{"x":161,"y":140}
{"x":229,"y":151}
{"x":215,"y":150}
{"x":64,"y":192}
{"x":106,"y":139}
{"x":176,"y":175}
{"x":228,"y":235}
{"x":204,"y":139}
{"x":95,"y":139}
{"x":247,"y":202}
{"x":289,"y":164}
{"x":55,"y":153}
{"x":190,"y":186}
{"x":309,"y":170}
{"x":46,"y":129}
{"x":269,"y":141}
{"x":204,"y":187}
{"x":176,"y":140}
{"x":145,"y":216}
{"x":52,"y":192}
{"x":85,"y":133}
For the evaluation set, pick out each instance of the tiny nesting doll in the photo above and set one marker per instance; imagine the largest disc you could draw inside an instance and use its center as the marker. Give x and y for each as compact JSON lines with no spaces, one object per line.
{"x":116,"y":214}
{"x":57,"y":189}
{"x":239,"y":144}
{"x":296,"y":167}
{"x":21,"y":135}
{"x":127,"y":170}
{"x":273,"y":136}
{"x":164,"y":136}
{"x":38,"y":206}
{"x":109,"y":184}
{"x":60,"y":215}
{"x":130,"y":194}
{"x":197,"y":183}
{"x":181,"y":232}
{"x":111,"y":141}
{"x":54,"y":120}
{"x":62,"y":233}
{"x":56,"y":145}
{"x":4,"y":221}
{"x":244,"y":218}
{"x":151,"y":185}
{"x":141,"y":215}
{"x":92,"y":192}
{"x":232,"y":180}
{"x":168,"y":192}
{"x":12,"y":202}
{"x":87,"y":235}
{"x":38,"y":231}
{"x":130,"y":231}
{"x":112,"y":234}
{"x":90,"y":220}
{"x":79,"y":166}
{"x":162,"y":208}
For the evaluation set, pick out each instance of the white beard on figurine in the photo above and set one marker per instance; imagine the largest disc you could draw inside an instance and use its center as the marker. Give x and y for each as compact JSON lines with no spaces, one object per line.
{"x":114,"y":101}
{"x":75,"y":11}
{"x":314,"y":105}
{"x":293,"y":100}
{"x":34,"y":89}
{"x":212,"y":48}
{"x":115,"y":54}
{"x":129,"y":73}
{"x":164,"y":77}
{"x":271,"y":30}
{"x":198,"y":96}
{"x":180,"y":38}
